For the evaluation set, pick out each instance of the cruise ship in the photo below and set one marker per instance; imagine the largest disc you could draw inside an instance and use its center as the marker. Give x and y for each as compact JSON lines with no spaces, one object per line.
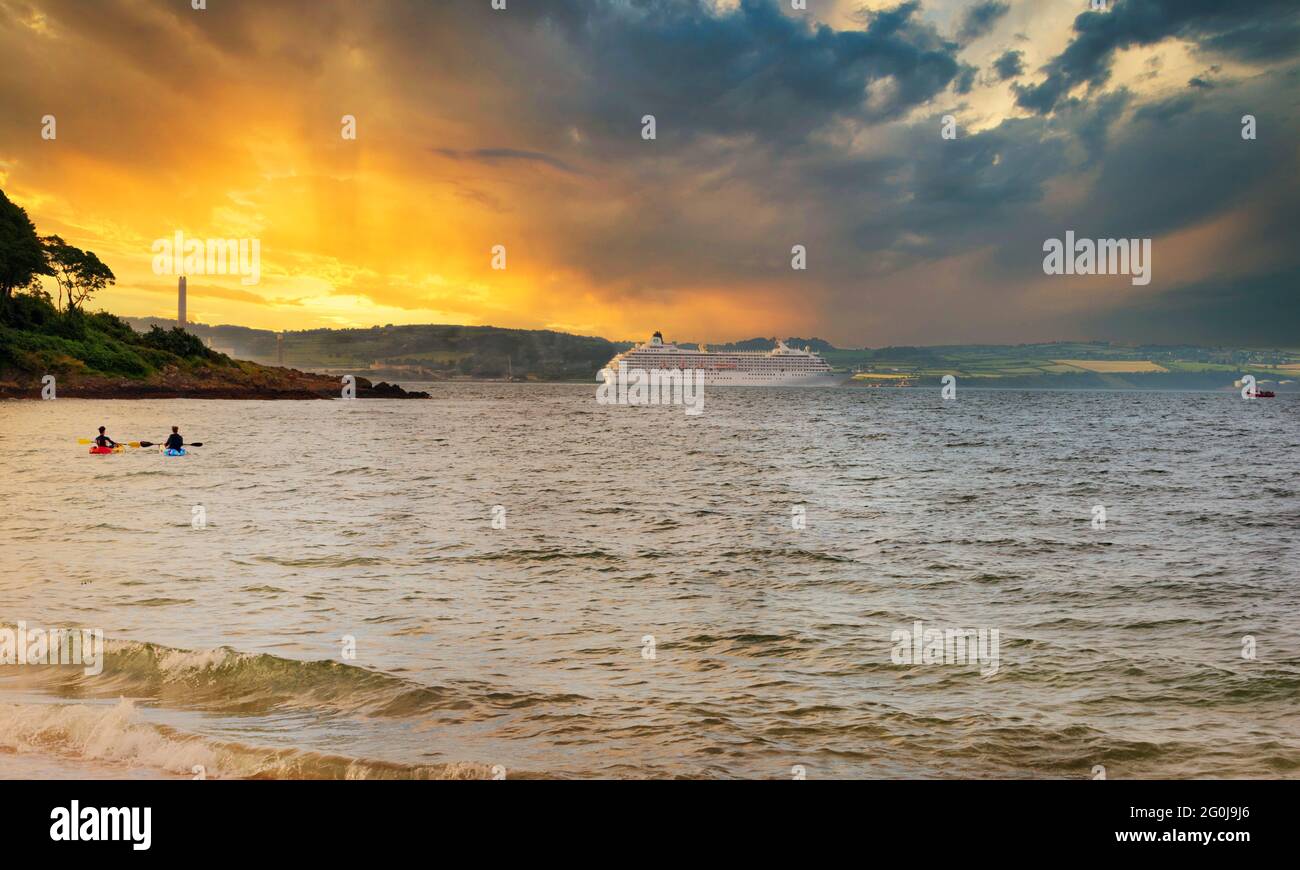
{"x":783,"y":366}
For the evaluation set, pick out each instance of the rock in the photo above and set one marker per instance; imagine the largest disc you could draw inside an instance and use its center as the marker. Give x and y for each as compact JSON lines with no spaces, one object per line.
{"x":262,"y":382}
{"x":385,"y":390}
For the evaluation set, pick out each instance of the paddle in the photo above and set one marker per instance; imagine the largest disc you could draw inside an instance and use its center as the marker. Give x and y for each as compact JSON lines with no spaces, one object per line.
{"x":136,"y":443}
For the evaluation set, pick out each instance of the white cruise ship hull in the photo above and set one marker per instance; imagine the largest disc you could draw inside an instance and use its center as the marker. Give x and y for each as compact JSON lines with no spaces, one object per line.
{"x":744,"y":379}
{"x":781,"y":367}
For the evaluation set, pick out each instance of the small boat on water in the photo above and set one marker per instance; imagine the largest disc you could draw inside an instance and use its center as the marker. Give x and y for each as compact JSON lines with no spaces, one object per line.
{"x":1263,"y":394}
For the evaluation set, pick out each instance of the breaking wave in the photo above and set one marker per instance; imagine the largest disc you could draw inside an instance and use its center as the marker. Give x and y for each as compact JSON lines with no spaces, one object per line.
{"x":116,"y":736}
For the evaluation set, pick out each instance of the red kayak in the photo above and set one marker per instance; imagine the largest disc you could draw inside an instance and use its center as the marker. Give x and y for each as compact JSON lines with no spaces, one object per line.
{"x":101,"y":451}
{"x":1263,"y":394}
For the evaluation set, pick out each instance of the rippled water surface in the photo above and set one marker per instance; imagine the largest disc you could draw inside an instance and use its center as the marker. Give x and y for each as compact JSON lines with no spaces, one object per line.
{"x":523,"y":650}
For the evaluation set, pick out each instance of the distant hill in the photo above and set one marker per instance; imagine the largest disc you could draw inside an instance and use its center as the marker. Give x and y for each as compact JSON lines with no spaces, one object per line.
{"x":760,"y":344}
{"x":432,"y":351}
{"x":435,"y":352}
{"x":1073,"y":365}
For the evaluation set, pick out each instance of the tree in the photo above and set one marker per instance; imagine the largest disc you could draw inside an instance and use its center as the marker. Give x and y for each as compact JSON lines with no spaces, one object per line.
{"x":93,"y":276}
{"x":62,"y":259}
{"x":78,"y":273}
{"x":21,"y":256}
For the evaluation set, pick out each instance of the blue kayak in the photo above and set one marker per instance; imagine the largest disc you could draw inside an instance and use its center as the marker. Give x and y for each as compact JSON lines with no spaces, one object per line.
{"x":172,"y":452}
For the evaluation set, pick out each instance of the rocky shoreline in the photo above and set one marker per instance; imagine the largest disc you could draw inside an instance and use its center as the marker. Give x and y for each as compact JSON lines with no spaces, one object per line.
{"x":251,"y":382}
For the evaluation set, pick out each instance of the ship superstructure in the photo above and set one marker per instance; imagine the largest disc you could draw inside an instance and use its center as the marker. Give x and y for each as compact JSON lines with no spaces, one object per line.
{"x":783,"y":366}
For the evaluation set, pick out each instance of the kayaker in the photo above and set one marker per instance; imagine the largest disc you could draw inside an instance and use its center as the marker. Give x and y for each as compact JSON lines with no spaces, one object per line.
{"x":174,"y":440}
{"x":103,"y":440}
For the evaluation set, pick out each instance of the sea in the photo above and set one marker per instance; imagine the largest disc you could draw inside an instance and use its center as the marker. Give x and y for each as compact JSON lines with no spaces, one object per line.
{"x":513,"y":581}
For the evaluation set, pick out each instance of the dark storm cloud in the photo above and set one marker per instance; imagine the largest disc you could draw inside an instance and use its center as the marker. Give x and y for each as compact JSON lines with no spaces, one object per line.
{"x":1243,"y":29}
{"x":1259,"y":40}
{"x":1177,"y":165}
{"x":1255,"y":311}
{"x":979,"y":189}
{"x":1009,"y":65}
{"x":499,"y":155}
{"x":966,"y":79}
{"x":1097,"y":118}
{"x":703,"y":72}
{"x":1185,"y":162}
{"x":766,"y":83}
{"x":1163,"y":111}
{"x":979,"y":18}
{"x":755,"y":71}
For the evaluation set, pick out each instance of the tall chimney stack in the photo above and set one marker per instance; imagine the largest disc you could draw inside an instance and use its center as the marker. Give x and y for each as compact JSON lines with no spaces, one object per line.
{"x":180,"y":304}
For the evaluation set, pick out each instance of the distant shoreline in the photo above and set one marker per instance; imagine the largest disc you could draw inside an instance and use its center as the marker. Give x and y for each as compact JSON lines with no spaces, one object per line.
{"x":964,"y":383}
{"x":48,"y":352}
{"x":298,"y":386}
{"x":388,"y":391}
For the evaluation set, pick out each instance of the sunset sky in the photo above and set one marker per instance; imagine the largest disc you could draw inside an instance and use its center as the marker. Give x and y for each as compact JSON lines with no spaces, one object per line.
{"x":775,"y":127}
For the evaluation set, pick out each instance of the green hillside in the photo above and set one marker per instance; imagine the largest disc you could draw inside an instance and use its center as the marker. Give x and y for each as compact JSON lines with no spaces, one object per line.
{"x":1074,"y":365}
{"x":442,"y":351}
{"x":438,"y":350}
{"x":36,"y":337}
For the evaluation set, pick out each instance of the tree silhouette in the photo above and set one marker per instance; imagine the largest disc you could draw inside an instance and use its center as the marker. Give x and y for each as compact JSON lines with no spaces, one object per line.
{"x":21,"y":257}
{"x":62,"y":259}
{"x":78,"y":273}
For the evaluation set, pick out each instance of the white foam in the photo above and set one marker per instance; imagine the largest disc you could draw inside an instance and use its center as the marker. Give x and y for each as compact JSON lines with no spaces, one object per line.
{"x":113,"y":734}
{"x":105,"y":740}
{"x":173,"y":661}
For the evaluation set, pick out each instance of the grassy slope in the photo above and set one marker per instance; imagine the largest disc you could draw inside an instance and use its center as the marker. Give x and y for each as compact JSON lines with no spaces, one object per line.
{"x":34,"y":337}
{"x":100,"y":355}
